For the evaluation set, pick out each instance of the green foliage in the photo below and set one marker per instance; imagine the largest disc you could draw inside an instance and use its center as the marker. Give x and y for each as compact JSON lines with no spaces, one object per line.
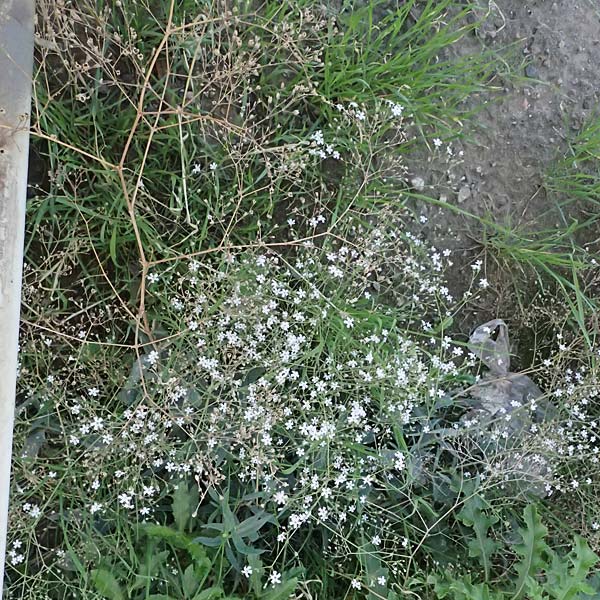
{"x":184,"y":503}
{"x":475,"y":514}
{"x":540,"y":573}
{"x":401,"y":57}
{"x":232,"y":536}
{"x":576,"y":175}
{"x":178,"y":154}
{"x":107,"y":585}
{"x":532,"y":549}
{"x":560,"y":252}
{"x":464,"y":589}
{"x":165,"y":562}
{"x":195,"y":577}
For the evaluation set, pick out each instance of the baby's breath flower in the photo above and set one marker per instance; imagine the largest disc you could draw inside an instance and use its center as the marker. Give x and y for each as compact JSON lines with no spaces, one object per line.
{"x":247,"y":571}
{"x":95,"y":507}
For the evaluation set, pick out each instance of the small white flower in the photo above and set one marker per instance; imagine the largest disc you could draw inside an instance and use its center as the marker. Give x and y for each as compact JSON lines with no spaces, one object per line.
{"x":355,"y":584}
{"x":437,"y":142}
{"x":397,"y":109}
{"x":280,"y":497}
{"x":95,"y":507}
{"x":213,"y":166}
{"x":126,"y":500}
{"x":247,"y":571}
{"x":275,"y":578}
{"x":153,"y":277}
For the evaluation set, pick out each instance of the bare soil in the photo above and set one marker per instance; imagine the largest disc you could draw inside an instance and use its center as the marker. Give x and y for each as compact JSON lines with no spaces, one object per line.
{"x":499,"y":165}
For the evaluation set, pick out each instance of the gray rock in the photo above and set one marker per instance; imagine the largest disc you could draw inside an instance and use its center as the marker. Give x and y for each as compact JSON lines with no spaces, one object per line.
{"x":464,"y":194}
{"x":418,"y":183}
{"x":531,"y":71}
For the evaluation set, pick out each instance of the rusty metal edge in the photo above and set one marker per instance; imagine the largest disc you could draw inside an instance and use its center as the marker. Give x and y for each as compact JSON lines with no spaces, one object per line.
{"x":16,"y":63}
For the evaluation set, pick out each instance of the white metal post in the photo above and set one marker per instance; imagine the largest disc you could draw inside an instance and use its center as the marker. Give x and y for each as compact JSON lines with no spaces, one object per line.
{"x":16,"y":63}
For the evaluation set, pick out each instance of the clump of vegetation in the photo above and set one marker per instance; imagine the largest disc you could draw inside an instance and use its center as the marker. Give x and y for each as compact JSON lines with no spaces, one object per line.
{"x":239,"y":373}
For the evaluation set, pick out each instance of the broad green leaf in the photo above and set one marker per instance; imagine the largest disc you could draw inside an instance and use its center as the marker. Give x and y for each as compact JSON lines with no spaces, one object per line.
{"x":443,"y":325}
{"x":190,"y":582}
{"x":176,"y":538}
{"x":232,"y":557}
{"x":281,"y":592}
{"x":257,"y":573}
{"x":482,"y":547}
{"x":594,"y":583}
{"x":567,"y":577}
{"x":149,"y":566}
{"x":183,"y":505}
{"x":107,"y":584}
{"x":531,"y":550}
{"x":168,"y":534}
{"x":203,"y":566}
{"x":211,"y":542}
{"x":251,"y":526}
{"x":212,"y":593}
{"x":242,"y":547}
{"x":374,"y":569}
{"x":582,"y":557}
{"x":534,"y":590}
{"x":463,"y":589}
{"x":230,"y":521}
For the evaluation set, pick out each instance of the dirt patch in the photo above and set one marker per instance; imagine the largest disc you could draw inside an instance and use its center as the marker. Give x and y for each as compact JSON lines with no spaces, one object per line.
{"x":497,"y":169}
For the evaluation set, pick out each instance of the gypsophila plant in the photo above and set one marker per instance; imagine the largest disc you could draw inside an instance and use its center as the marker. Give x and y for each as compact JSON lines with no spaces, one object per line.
{"x":240,"y":374}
